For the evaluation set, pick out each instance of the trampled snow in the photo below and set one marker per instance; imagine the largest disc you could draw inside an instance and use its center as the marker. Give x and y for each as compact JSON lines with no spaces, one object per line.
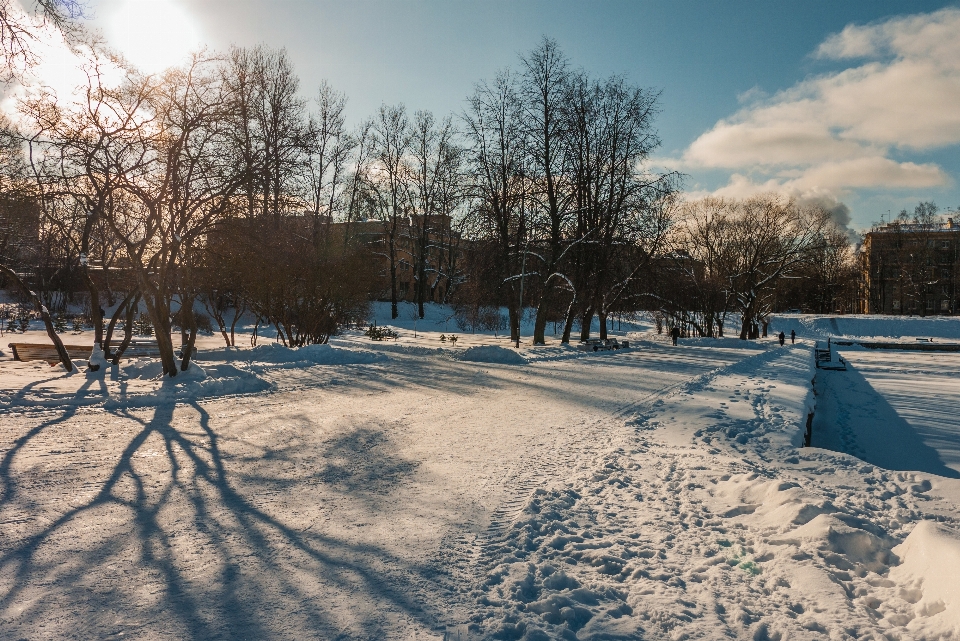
{"x":398,"y":490}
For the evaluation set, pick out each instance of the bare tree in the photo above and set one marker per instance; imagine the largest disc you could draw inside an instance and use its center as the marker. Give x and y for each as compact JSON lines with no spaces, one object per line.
{"x":269,"y":127}
{"x":434,"y":187}
{"x":166,"y":142}
{"x":387,"y":187}
{"x":611,"y":136}
{"x":20,"y":30}
{"x":495,"y":151}
{"x":327,"y":149}
{"x":749,"y":245}
{"x":543,"y":91}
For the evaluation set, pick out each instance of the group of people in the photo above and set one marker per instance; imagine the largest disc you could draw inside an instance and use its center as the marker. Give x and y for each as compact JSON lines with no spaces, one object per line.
{"x":675,"y":334}
{"x":782,"y":338}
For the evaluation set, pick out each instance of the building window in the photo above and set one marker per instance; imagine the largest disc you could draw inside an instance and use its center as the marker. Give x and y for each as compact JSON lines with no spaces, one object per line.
{"x":896,"y":304}
{"x":930,"y":304}
{"x":944,"y":306}
{"x":944,"y":244}
{"x":944,"y":273}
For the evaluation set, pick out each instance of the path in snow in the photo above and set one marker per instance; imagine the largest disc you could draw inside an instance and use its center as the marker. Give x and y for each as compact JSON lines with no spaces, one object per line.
{"x":322,"y":509}
{"x":402,"y":494}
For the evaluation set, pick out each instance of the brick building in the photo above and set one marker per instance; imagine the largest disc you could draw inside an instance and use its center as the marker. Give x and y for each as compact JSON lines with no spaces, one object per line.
{"x":911,"y":268}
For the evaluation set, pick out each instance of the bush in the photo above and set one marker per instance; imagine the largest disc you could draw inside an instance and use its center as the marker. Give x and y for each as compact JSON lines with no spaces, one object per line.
{"x":381,"y":333}
{"x":308,"y":289}
{"x":142,"y":325}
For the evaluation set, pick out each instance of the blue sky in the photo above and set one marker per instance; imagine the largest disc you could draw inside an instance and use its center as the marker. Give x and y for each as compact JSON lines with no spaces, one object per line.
{"x":854,"y":103}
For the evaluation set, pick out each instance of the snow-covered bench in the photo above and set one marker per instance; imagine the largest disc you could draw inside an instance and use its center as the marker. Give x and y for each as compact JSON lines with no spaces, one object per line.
{"x":823,"y":358}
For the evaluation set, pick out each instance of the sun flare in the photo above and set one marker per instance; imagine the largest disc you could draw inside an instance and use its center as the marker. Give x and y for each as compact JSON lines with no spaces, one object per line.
{"x":153,"y":34}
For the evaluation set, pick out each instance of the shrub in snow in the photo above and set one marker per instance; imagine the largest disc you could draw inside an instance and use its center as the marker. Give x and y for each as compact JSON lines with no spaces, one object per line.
{"x":381,"y":333}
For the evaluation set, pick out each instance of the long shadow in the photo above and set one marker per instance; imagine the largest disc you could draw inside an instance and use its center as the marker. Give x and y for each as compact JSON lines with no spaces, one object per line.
{"x":259,"y":577}
{"x":853,"y":417}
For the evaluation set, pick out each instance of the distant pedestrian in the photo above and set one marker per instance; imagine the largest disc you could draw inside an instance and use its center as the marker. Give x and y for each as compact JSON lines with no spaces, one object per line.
{"x":781,"y":337}
{"x":675,"y":334}
{"x":793,"y":337}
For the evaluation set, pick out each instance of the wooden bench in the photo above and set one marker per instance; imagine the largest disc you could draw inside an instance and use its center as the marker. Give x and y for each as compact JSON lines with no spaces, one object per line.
{"x":47,"y":352}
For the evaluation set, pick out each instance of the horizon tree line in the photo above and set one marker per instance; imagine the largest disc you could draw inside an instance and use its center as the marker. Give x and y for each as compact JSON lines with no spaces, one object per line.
{"x":217,"y":183}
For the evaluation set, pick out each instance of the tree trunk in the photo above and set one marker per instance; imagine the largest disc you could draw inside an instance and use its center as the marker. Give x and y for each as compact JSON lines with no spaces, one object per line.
{"x":122,"y":308}
{"x":127,"y":328}
{"x":602,"y":316}
{"x":237,"y":313}
{"x":394,"y":312}
{"x":44,"y":315}
{"x":94,"y":309}
{"x":568,"y":321}
{"x":161,"y":323}
{"x":543,"y":308}
{"x":514,"y":324}
{"x":585,"y":322}
{"x":186,"y":351}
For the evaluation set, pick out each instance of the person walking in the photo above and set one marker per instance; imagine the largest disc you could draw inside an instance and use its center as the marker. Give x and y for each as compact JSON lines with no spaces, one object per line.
{"x":675,"y":334}
{"x":782,"y":338}
{"x":793,"y":337}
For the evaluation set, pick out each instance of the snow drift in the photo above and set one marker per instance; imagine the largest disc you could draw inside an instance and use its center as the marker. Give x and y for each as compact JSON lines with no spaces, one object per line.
{"x":492,"y":354}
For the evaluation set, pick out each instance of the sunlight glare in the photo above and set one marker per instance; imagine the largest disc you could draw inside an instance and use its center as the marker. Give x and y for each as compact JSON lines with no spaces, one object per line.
{"x":153,"y":34}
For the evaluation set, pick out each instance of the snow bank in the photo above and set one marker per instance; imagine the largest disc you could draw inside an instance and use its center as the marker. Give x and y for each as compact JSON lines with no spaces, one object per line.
{"x":275,"y":354}
{"x":865,"y":326}
{"x":492,"y":354}
{"x":929,"y":574}
{"x":196,"y":382}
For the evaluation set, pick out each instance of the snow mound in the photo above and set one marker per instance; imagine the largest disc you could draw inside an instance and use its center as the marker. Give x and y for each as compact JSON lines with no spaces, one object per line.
{"x":867,"y":326}
{"x":930,"y":568}
{"x":275,"y":354}
{"x":143,"y":369}
{"x":196,"y":382}
{"x":492,"y":354}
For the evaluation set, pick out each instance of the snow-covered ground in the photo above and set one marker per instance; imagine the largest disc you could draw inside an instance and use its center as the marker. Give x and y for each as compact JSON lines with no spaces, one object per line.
{"x":417,"y":490}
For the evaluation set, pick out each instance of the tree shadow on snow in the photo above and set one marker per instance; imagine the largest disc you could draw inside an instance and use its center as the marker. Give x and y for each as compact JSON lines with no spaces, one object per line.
{"x":192,"y":553}
{"x":853,"y":417}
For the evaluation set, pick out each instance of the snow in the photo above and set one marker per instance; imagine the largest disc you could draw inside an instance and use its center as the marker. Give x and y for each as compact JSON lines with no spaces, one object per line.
{"x":491,"y":354}
{"x":905,"y":414}
{"x":420,"y":490}
{"x":930,"y":565}
{"x":902,"y":328}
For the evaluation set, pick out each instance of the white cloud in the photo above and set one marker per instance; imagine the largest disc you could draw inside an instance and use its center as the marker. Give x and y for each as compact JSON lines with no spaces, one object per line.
{"x":837,"y":132}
